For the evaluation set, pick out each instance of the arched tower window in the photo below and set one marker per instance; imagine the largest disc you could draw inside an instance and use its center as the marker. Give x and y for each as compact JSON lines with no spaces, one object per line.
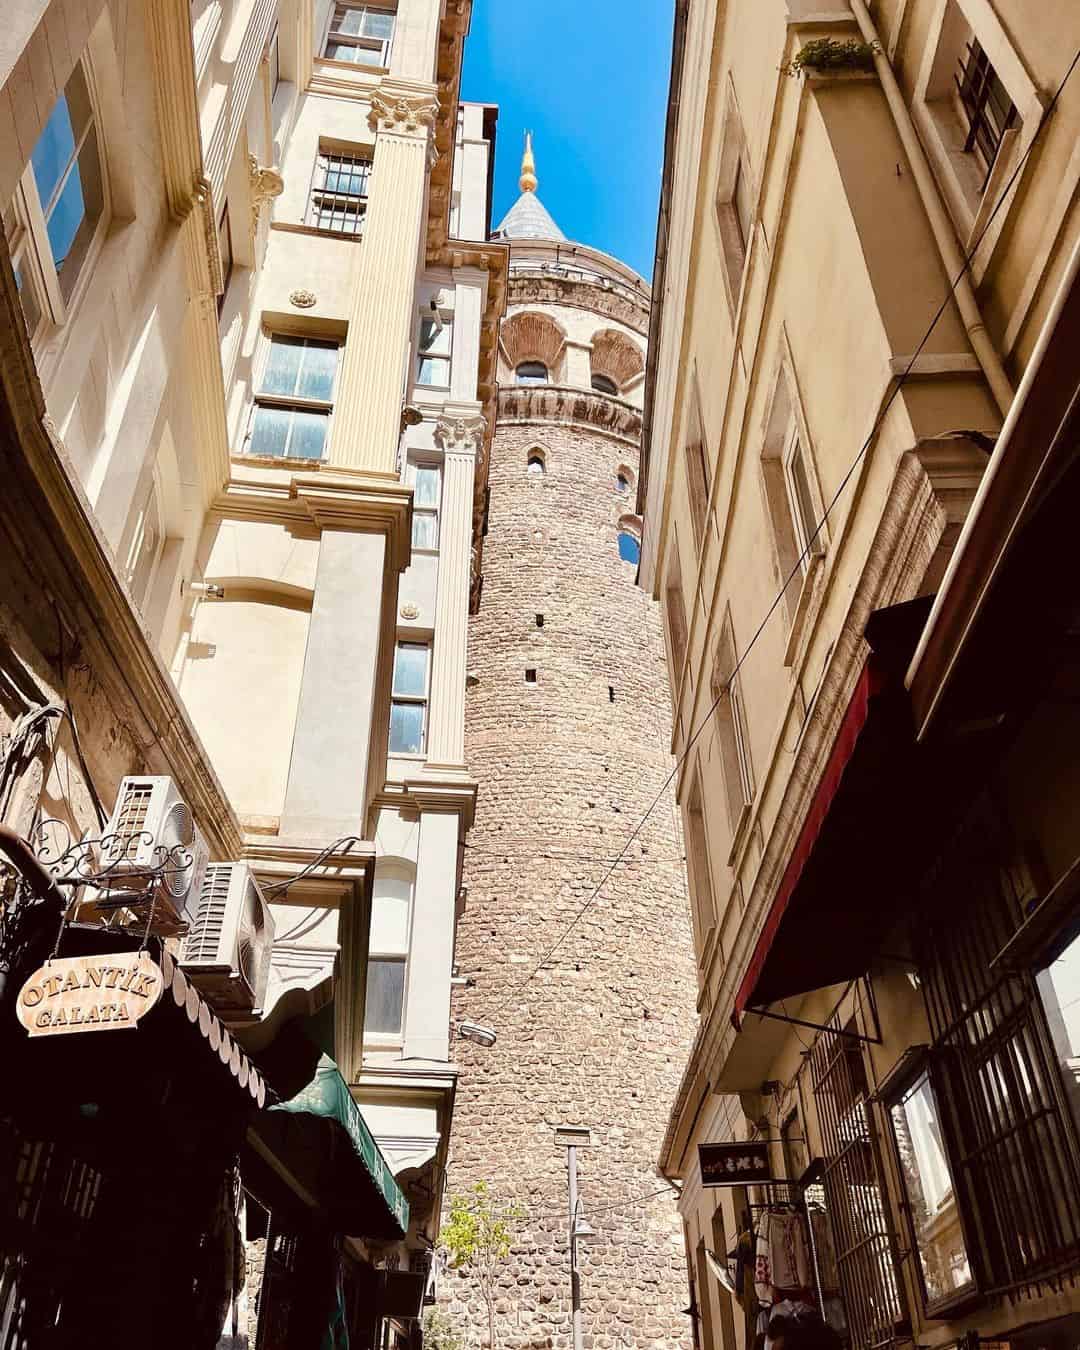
{"x":531,"y":372}
{"x":630,"y":539}
{"x":532,"y":346}
{"x":629,"y":547}
{"x":535,"y":464}
{"x":616,"y":361}
{"x":624,"y":478}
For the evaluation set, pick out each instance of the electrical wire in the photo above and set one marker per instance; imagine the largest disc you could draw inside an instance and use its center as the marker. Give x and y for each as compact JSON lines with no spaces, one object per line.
{"x":797,"y":566}
{"x":506,"y":854}
{"x":630,"y":1202}
{"x":341,"y":845}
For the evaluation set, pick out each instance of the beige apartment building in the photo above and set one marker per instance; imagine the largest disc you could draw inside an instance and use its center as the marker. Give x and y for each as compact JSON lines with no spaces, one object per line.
{"x":858,"y":488}
{"x":248,"y":369}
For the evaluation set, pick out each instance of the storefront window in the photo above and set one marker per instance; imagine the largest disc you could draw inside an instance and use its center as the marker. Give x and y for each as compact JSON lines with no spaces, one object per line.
{"x":931,"y":1198}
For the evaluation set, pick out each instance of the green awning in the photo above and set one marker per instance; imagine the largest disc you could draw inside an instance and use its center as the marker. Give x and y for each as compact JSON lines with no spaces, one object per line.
{"x":345,"y":1178}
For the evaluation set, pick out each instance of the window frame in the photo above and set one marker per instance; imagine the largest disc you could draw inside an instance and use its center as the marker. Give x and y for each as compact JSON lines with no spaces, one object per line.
{"x":532,"y":382}
{"x":326,"y":156}
{"x":421,"y":700}
{"x":1001,"y":1076}
{"x":399,"y":872}
{"x":31,"y":250}
{"x":730,"y":717}
{"x":414,"y":463}
{"x":704,"y":910}
{"x":291,"y":402}
{"x":384,"y":46}
{"x":784,"y":436}
{"x":970,"y":194}
{"x":445,"y":323}
{"x":152,"y":497}
{"x":225,"y":246}
{"x":921,"y":1062}
{"x":735,"y":235}
{"x":808,"y":533}
{"x":697,"y":468}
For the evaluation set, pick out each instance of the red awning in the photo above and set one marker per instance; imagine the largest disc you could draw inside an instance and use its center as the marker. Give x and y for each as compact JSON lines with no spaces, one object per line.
{"x":871,"y":682}
{"x":832,"y":906}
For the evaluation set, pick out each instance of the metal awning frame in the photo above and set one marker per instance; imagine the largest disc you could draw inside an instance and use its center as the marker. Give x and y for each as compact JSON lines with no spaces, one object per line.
{"x":871,"y":1003}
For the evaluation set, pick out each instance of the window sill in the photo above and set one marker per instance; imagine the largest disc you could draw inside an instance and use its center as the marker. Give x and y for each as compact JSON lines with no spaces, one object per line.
{"x":353,"y":67}
{"x":948,"y":1308}
{"x":292,"y":227}
{"x":278,"y":461}
{"x":424,"y":552}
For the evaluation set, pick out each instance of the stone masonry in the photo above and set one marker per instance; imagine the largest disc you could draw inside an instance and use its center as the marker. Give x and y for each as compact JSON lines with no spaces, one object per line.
{"x":567,"y":767}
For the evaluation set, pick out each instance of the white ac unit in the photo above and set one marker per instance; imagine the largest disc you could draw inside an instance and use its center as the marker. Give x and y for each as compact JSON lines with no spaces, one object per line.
{"x":153,"y":847}
{"x":228,"y":947}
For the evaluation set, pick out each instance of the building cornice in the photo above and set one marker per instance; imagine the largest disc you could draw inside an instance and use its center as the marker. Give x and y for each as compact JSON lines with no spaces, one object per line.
{"x":538,"y":287}
{"x":569,"y":406}
{"x":329,"y":499}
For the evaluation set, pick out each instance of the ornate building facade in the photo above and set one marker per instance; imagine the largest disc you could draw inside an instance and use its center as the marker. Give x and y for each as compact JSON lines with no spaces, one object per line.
{"x":248,"y":314}
{"x":568,"y":730}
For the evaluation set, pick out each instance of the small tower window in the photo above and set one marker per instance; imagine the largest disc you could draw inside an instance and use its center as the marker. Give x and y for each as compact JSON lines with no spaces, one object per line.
{"x":530,"y":674}
{"x":534,"y":465}
{"x":622,"y":483}
{"x":531,"y":372}
{"x":604,"y":384}
{"x":629,"y":547}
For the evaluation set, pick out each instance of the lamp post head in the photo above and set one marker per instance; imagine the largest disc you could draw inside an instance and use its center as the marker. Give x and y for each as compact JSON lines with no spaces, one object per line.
{"x":572,"y":1136}
{"x":477,"y":1032}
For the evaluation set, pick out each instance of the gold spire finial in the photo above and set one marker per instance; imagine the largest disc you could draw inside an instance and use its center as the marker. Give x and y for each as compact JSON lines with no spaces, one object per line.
{"x":527,"y":181}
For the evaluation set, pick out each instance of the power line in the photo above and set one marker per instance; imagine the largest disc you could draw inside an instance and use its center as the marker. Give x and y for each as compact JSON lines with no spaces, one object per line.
{"x":796,"y":568}
{"x":506,"y":854}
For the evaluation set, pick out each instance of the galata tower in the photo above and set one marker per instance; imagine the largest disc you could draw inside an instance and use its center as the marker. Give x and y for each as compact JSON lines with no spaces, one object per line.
{"x":568,"y":730}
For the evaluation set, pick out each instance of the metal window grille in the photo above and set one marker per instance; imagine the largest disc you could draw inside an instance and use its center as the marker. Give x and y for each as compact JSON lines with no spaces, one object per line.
{"x":989,"y":110}
{"x":1016,"y":1165}
{"x":339,"y":193}
{"x":47,"y":1201}
{"x":865,"y":1254}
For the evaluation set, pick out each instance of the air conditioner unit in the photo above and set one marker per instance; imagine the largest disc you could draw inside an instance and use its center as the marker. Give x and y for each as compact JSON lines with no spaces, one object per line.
{"x":152,"y":853}
{"x":227,"y":950}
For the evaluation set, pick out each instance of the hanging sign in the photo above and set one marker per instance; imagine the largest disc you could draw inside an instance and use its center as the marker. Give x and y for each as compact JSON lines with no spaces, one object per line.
{"x":89,"y":993}
{"x":734,"y":1164}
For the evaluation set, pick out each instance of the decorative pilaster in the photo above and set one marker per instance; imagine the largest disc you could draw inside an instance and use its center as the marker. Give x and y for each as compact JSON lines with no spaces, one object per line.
{"x":367,"y":414}
{"x":460,"y":434}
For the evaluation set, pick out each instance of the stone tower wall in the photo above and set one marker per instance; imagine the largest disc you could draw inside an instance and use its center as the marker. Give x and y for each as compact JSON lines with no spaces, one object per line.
{"x":567,"y":768}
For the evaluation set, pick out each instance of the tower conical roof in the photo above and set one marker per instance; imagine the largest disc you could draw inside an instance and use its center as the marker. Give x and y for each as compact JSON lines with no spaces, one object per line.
{"x":528,"y":218}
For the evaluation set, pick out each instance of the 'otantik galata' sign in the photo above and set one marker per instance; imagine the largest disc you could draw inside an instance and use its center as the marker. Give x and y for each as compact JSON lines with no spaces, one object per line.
{"x":89,"y":993}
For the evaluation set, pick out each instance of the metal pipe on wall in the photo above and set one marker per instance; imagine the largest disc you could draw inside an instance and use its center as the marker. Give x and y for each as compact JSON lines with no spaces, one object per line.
{"x":941,"y":225}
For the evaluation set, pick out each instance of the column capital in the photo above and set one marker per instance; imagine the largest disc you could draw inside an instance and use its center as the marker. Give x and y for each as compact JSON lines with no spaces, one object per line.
{"x":461,"y":429}
{"x":403,"y":108}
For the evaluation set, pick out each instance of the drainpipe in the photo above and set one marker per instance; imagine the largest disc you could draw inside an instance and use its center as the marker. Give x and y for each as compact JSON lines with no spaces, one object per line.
{"x":940,"y":223}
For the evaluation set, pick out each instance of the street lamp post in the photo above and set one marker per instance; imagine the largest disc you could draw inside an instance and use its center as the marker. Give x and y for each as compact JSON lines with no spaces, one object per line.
{"x":572,"y":1138}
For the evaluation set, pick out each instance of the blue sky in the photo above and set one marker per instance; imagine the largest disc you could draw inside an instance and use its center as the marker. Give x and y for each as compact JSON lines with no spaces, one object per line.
{"x":589,"y":78}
